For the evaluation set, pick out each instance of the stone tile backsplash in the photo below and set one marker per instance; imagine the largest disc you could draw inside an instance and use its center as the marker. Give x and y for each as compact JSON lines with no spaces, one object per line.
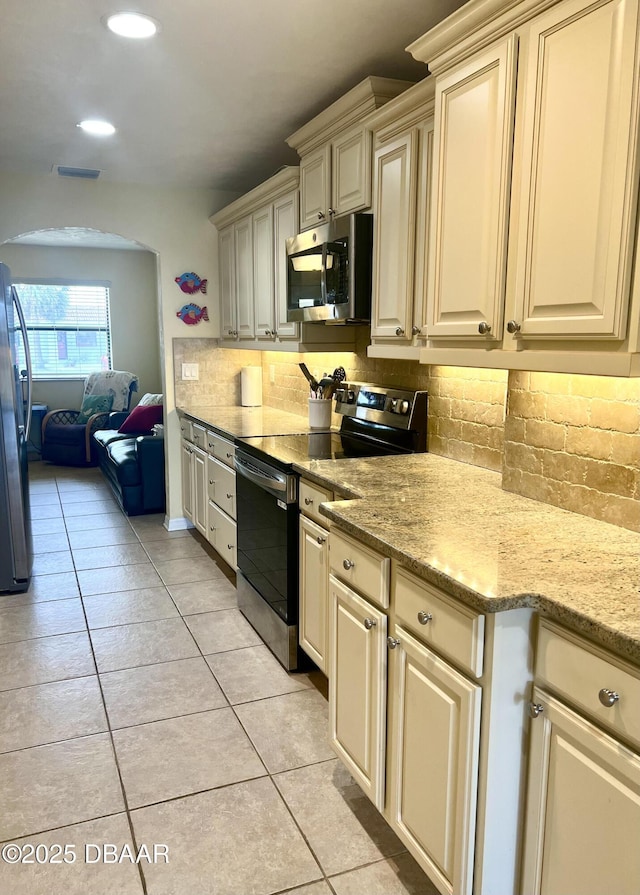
{"x":572,"y":441}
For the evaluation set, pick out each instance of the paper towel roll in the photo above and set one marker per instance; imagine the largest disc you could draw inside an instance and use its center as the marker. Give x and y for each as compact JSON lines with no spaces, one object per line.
{"x":251,"y":386}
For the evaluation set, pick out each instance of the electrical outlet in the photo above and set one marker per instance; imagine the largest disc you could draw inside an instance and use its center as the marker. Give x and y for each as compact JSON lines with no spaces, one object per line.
{"x":272,"y":373}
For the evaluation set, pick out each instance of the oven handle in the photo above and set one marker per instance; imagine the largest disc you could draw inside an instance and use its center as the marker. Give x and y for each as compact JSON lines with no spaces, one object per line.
{"x":258,"y":478}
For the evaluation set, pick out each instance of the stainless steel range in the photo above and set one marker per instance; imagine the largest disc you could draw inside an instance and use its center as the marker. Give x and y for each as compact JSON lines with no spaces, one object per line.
{"x":376,"y":421}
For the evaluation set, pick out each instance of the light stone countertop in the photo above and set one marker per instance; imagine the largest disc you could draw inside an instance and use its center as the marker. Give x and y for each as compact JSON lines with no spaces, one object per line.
{"x":246,"y":422}
{"x":453,"y":525}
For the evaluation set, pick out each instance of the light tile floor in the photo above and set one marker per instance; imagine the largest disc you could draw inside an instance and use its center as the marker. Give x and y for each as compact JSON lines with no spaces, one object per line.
{"x":138,"y":707}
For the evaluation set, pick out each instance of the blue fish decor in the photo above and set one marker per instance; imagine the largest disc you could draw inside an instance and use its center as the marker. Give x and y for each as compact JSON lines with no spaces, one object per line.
{"x":191,"y":314}
{"x":191,"y":283}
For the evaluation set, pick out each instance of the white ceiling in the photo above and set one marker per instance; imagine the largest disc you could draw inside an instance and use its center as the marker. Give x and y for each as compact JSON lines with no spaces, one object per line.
{"x":206,"y":103}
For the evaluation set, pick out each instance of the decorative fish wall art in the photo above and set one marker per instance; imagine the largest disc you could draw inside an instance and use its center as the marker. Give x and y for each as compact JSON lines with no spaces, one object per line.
{"x":191,"y":283}
{"x":191,"y":314}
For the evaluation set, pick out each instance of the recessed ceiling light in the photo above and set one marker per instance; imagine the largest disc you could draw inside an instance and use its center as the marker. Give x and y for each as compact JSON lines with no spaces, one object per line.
{"x":131,"y":24}
{"x":97,"y":128}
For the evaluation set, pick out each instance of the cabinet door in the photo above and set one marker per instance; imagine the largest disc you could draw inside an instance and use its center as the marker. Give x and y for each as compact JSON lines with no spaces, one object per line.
{"x":351,"y":172}
{"x":226,"y":265}
{"x":395,"y":171}
{"x":358,"y":687}
{"x":315,"y":187}
{"x":243,"y":245}
{"x":423,"y":211}
{"x":580,"y":80}
{"x":187,"y":485}
{"x":263,"y":283}
{"x":473,"y":143}
{"x":199,"y":484}
{"x":222,"y":535}
{"x":285,"y":224}
{"x":314,"y":591}
{"x":435,"y":742}
{"x":583,"y":808}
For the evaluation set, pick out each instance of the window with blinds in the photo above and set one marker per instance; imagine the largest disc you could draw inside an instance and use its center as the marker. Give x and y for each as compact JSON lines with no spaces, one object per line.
{"x":68,"y":327}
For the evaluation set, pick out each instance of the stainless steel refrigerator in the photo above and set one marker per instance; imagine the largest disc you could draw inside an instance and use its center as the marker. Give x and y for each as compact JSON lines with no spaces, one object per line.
{"x":15,"y":415}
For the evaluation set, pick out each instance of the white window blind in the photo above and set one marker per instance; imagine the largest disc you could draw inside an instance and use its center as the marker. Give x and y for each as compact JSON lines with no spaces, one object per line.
{"x":68,"y":327}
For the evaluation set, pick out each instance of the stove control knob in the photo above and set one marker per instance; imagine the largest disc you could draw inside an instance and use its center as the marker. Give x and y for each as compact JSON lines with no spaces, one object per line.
{"x":393,"y":405}
{"x":351,"y":396}
{"x":404,"y":407}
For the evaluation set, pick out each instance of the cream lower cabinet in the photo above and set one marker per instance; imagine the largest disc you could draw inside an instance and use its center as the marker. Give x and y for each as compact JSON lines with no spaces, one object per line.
{"x":314,"y":587}
{"x":434,"y":740}
{"x":221,"y":497}
{"x":187,"y":483}
{"x":194,"y":488}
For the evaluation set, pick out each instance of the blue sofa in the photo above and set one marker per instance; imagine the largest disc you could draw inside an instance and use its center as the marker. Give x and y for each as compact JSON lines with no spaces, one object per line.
{"x":133,"y":465}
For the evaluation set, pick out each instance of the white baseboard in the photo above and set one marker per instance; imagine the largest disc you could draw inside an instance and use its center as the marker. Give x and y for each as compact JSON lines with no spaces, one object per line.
{"x":177,"y":524}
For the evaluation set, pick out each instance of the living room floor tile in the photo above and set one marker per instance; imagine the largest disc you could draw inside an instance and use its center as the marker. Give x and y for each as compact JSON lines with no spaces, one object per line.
{"x":253,"y":673}
{"x":128,"y":607}
{"x":108,"y":555}
{"x":117,"y":578}
{"x":80,"y":877}
{"x":216,"y":632}
{"x":52,"y":563}
{"x":107,"y":537}
{"x":112,"y":518}
{"x":238,"y":839}
{"x":89,"y":507}
{"x":29,"y":662}
{"x":45,"y":713}
{"x":57,"y":785}
{"x":191,"y":568}
{"x":400,"y":875}
{"x":204,"y":596}
{"x":167,"y":759}
{"x":156,"y":692}
{"x":50,"y":543}
{"x":48,"y":526}
{"x":178,"y":548}
{"x":147,"y":643}
{"x":41,"y":620}
{"x":288,"y":731}
{"x":341,"y":825}
{"x":44,"y":588}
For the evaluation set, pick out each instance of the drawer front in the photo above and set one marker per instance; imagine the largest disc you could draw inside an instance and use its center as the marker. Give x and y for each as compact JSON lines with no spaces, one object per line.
{"x":311,"y":496}
{"x":221,"y":485}
{"x":222,"y":534}
{"x":439,"y":621}
{"x":198,"y":435}
{"x":221,"y":449}
{"x":185,"y":429}
{"x":580,"y":671}
{"x":360,"y":567}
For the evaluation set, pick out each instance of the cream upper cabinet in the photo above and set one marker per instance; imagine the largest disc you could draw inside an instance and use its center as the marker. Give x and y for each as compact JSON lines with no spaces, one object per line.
{"x":578,"y":139}
{"x":226,"y":269}
{"x":285,"y":224}
{"x":351,"y":171}
{"x":315,"y":188}
{"x":263,"y":274}
{"x":395,"y":167}
{"x":474,"y":109}
{"x":243,"y":256}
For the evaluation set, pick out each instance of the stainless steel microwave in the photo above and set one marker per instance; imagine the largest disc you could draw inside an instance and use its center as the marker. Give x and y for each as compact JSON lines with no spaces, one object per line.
{"x":329,"y":272}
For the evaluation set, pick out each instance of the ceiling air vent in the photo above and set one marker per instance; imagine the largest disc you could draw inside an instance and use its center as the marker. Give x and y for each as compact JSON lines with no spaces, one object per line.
{"x":82,"y":173}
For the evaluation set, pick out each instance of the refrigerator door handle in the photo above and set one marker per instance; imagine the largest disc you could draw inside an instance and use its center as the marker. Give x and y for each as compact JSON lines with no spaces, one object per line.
{"x":27,"y":354}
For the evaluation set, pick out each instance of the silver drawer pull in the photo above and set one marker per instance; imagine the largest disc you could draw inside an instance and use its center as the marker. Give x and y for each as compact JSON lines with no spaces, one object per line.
{"x":308,"y":501}
{"x":424,"y":617}
{"x":229,"y":546}
{"x":392,"y":642}
{"x":535,"y":709}
{"x":229,"y":496}
{"x":321,"y":540}
{"x":211,"y":482}
{"x":608,"y":697}
{"x":347,"y":564}
{"x":212,"y":527}
{"x":369,"y":623}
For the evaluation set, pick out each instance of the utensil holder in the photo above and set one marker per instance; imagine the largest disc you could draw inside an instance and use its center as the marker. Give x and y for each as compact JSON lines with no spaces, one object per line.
{"x":319,"y":414}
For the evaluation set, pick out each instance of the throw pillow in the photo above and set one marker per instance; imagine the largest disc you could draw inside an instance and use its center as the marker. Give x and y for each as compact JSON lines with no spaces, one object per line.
{"x":149,"y":398}
{"x":142,"y":419}
{"x":93,"y":404}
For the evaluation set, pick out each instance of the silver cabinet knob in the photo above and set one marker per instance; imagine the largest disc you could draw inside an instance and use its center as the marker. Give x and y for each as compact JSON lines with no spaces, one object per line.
{"x":484,"y":328}
{"x":308,"y":501}
{"x":212,"y":527}
{"x":369,"y":623}
{"x":424,"y":617}
{"x":229,"y":496}
{"x":268,"y":332}
{"x":399,"y":331}
{"x":608,"y":697}
{"x":415,"y":330}
{"x":392,"y":642}
{"x":211,"y":482}
{"x":321,"y":215}
{"x":229,"y":546}
{"x":347,"y":564}
{"x":513,"y":327}
{"x":535,"y":709}
{"x":321,"y":540}
{"x":332,"y":211}
{"x":229,"y":456}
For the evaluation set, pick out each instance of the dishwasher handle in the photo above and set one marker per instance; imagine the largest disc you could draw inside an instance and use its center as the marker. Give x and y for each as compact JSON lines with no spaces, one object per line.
{"x":281,"y":485}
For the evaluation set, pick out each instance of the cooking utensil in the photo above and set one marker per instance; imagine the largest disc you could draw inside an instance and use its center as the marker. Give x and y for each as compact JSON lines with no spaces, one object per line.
{"x":339,"y":374}
{"x":313,"y":382}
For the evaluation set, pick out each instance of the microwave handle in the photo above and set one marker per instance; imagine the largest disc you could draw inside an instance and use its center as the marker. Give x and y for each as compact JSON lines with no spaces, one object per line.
{"x":323,"y":275}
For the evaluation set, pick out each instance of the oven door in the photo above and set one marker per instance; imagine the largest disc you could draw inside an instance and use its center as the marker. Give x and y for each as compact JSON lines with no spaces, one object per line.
{"x":267,"y":534}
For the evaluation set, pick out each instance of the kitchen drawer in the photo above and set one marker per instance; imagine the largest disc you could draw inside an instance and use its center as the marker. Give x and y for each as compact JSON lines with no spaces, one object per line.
{"x":198,"y":435}
{"x":362,"y":568}
{"x":221,"y":485}
{"x":185,"y":429}
{"x":221,"y":534}
{"x":449,"y":627}
{"x":221,"y":449}
{"x":311,"y":496}
{"x":579,"y":671}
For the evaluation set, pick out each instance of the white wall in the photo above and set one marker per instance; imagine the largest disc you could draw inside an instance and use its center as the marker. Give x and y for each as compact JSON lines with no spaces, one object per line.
{"x":174,"y":223}
{"x":133,"y":299}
